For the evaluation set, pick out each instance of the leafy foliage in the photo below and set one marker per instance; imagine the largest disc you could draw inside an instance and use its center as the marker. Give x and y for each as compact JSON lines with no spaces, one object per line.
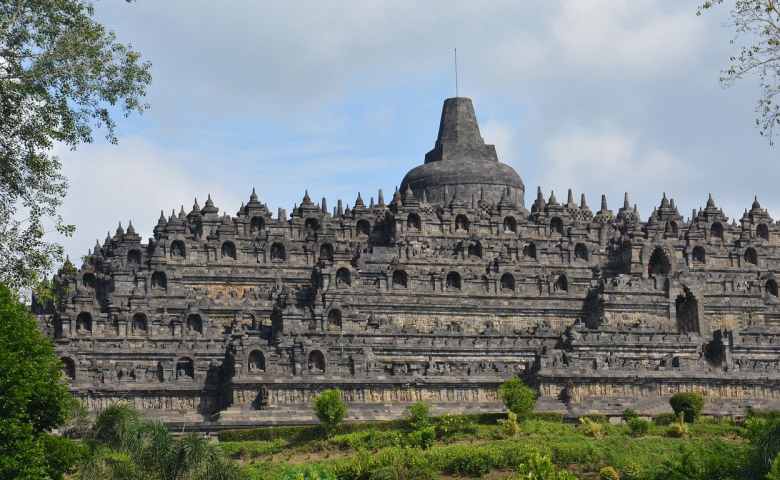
{"x":510,"y":424}
{"x":418,"y":416}
{"x":687,"y":404}
{"x":759,"y":22}
{"x":371,"y":439}
{"x":540,"y":467}
{"x":476,"y":444}
{"x":33,"y":398}
{"x":774,"y":471}
{"x":518,"y":397}
{"x":628,"y":414}
{"x":763,"y":431}
{"x":679,"y":428}
{"x":123,"y":446}
{"x":114,"y":426}
{"x":61,"y":75}
{"x":717,"y":461}
{"x":664,"y":419}
{"x":330,"y":408}
{"x":62,"y":454}
{"x":591,"y":428}
{"x":609,"y":473}
{"x":638,"y":426}
{"x":422,"y":437}
{"x":448,"y":425}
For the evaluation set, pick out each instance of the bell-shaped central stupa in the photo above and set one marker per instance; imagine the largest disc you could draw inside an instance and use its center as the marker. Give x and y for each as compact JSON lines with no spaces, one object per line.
{"x":461,"y":166}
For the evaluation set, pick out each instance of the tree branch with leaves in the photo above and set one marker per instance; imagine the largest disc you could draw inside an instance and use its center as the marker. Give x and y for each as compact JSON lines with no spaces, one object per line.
{"x":757,"y":21}
{"x":62,"y":75}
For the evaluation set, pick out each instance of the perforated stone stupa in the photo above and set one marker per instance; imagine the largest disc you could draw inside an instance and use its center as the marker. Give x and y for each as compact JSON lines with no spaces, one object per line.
{"x":440,"y":294}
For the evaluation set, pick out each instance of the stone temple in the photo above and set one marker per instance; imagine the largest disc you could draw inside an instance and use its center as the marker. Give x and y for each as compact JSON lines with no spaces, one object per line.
{"x":438,"y":292}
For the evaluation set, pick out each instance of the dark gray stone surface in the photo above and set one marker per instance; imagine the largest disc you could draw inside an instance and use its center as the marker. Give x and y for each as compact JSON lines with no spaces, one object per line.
{"x":461,"y":167}
{"x":237,"y":319}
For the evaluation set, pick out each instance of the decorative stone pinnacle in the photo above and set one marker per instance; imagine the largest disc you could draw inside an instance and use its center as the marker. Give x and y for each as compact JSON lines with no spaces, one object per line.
{"x":710,"y":201}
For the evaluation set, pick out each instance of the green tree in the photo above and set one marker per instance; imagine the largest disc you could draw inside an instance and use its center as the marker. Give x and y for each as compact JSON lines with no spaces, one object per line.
{"x":61,"y":75}
{"x":330,"y":408}
{"x":757,"y":21}
{"x":687,"y":404}
{"x":33,"y":397}
{"x":517,"y":397}
{"x":763,"y":433}
{"x":418,"y":416}
{"x":774,"y":471}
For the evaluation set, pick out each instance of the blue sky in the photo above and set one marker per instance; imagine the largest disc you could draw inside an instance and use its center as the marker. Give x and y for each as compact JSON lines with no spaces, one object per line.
{"x":602,"y":96}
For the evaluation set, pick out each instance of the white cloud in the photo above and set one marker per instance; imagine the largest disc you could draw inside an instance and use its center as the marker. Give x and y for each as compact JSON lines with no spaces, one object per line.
{"x":629,"y":36}
{"x":249,"y":82}
{"x":610,"y":161}
{"x":501,"y":135}
{"x":290,"y":57}
{"x":130,"y":181}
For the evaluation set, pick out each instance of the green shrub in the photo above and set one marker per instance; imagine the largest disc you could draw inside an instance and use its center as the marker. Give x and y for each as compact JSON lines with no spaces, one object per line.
{"x":252,"y":448}
{"x":62,"y":455}
{"x":713,"y":460}
{"x":307,"y":472}
{"x":540,"y":467}
{"x":422,"y":438}
{"x":418,"y":416}
{"x":591,"y":428}
{"x":579,"y":451}
{"x":664,"y":419}
{"x":632,"y":471}
{"x":678,"y":429}
{"x":597,"y":417}
{"x":638,"y":426}
{"x":548,"y":417}
{"x":330,"y":409}
{"x":484,"y":418}
{"x":448,"y":425}
{"x":628,"y":414}
{"x":763,"y":433}
{"x":608,"y":473}
{"x":356,"y":467}
{"x":774,"y":471}
{"x":371,"y":439}
{"x":518,"y":397}
{"x":268,"y":434}
{"x":401,"y":464}
{"x":510,"y":425}
{"x":689,"y":404}
{"x":403,"y":470}
{"x":474,"y":462}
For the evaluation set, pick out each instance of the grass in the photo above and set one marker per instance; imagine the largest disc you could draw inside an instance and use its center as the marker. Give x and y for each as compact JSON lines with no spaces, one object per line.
{"x":474,"y":446}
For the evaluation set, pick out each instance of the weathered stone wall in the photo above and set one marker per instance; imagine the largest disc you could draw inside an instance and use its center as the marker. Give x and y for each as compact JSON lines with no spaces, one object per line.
{"x":244,"y":316}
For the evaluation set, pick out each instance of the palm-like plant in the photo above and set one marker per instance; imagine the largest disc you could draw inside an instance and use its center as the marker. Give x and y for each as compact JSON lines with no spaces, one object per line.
{"x":126,"y":447}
